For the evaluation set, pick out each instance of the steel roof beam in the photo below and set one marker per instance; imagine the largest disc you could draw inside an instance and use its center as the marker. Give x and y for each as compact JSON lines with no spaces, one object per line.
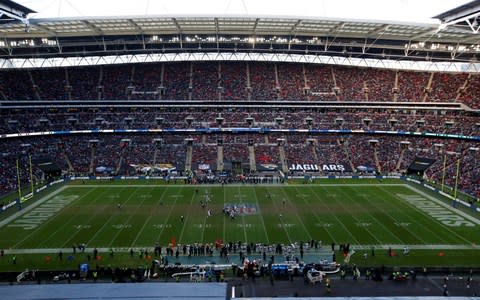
{"x":294,"y":27}
{"x":44,"y":29}
{"x":423,"y":33}
{"x":381,"y":30}
{"x":139,"y":29}
{"x":179,"y":31}
{"x":92,"y":27}
{"x":255,"y":25}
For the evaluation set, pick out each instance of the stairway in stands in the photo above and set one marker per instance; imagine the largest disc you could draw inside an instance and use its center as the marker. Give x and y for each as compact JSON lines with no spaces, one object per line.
{"x":188,"y":158}
{"x":347,"y":153}
{"x":377,"y":162}
{"x":428,"y":88}
{"x":251,"y":157}
{"x":281,"y":152}
{"x":463,"y":88}
{"x":120,"y":160}
{"x":67,"y":160}
{"x":92,"y":161}
{"x":220,"y":158}
{"x":400,"y":159}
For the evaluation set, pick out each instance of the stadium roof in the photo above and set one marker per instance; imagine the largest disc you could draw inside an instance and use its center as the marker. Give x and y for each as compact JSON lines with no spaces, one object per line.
{"x":252,"y":25}
{"x":459,"y":12}
{"x":41,"y":42}
{"x":358,"y":38}
{"x":397,"y":10}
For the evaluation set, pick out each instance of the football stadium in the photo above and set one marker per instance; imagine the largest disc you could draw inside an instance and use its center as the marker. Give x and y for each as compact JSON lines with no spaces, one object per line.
{"x":222,"y":157}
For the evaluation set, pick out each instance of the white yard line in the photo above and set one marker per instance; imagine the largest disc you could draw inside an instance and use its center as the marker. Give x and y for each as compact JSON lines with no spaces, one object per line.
{"x":126,"y":222}
{"x":73,"y":235}
{"x":167,"y":218}
{"x":148,"y":219}
{"x":378,"y":222}
{"x":224,"y":217}
{"x":298,"y":217}
{"x":185,"y":221}
{"x":280,"y":218}
{"x":108,"y":220}
{"x":261,"y":216}
{"x":243,"y":217}
{"x":408,"y":216}
{"x":334,"y":215}
{"x":316,"y":216}
{"x":355,"y":217}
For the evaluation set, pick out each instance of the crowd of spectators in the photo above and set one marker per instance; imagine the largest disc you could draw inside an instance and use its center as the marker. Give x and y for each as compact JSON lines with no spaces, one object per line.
{"x":237,"y":81}
{"x":177,"y":80}
{"x":291,"y":81}
{"x":412,"y":85}
{"x":234,"y":81}
{"x":205,"y":81}
{"x":320,"y":83}
{"x":351,"y":83}
{"x":85,"y":83}
{"x":217,"y":81}
{"x":146,"y":82}
{"x":263,"y":81}
{"x":32,"y":120}
{"x":118,"y":153}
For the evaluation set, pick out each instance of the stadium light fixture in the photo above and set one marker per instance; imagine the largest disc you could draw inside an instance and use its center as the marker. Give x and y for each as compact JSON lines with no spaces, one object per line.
{"x":48,"y":42}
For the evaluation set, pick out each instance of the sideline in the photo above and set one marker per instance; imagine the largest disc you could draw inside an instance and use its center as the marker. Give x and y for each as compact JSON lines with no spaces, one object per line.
{"x":326,"y":247}
{"x":239,"y":184}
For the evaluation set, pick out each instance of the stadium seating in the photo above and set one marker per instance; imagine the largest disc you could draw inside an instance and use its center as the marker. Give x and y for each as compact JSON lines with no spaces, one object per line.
{"x":237,"y":81}
{"x":385,"y":154}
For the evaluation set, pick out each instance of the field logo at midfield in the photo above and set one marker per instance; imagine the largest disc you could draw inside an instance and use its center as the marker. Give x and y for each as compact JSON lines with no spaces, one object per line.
{"x":242,"y":209}
{"x":436,"y":211}
{"x":43,"y":212}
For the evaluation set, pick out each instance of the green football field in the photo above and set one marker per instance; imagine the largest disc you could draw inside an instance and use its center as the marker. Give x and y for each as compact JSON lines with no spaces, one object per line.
{"x":139,"y":214}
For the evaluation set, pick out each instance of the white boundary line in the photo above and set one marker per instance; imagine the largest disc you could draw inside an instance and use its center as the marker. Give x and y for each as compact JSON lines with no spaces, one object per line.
{"x":296,"y":213}
{"x":243,"y":216}
{"x":108,"y":220}
{"x":168,"y":215}
{"x":237,"y":185}
{"x":261,"y":216}
{"x":333,"y":214}
{"x":374,"y":219}
{"x":353,"y":246}
{"x":148,"y":219}
{"x":317,"y":217}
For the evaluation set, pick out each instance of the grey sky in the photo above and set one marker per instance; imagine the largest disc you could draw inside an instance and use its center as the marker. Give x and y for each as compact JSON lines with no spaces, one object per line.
{"x":392,"y":10}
